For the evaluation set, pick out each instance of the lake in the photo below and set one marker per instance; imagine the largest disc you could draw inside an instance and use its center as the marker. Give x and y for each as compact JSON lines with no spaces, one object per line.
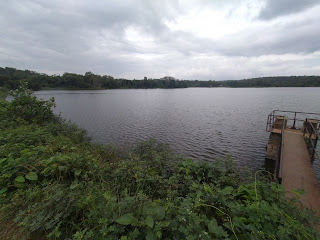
{"x":199,"y":123}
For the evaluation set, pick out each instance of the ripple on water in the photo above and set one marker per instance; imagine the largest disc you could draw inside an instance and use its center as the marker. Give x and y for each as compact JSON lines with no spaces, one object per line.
{"x":200,"y":123}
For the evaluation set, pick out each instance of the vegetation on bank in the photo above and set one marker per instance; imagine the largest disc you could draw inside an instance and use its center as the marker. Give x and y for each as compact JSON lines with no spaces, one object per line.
{"x":3,"y":93}
{"x":55,"y":183}
{"x":11,"y":78}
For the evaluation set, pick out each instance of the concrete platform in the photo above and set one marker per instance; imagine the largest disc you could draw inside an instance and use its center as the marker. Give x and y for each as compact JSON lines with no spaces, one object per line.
{"x":297,"y":172}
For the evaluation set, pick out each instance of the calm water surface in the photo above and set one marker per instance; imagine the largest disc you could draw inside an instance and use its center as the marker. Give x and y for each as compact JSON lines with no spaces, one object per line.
{"x":200,"y":123}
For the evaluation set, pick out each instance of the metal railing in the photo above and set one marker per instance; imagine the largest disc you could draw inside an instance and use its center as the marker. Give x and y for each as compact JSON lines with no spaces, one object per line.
{"x":311,"y":138}
{"x":279,"y":167}
{"x":296,"y":118}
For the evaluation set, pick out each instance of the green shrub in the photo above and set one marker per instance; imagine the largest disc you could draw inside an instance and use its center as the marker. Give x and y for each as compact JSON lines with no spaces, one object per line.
{"x":27,"y":107}
{"x":3,"y":93}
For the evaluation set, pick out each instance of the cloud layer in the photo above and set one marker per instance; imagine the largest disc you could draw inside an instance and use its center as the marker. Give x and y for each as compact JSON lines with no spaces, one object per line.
{"x":185,"y":39}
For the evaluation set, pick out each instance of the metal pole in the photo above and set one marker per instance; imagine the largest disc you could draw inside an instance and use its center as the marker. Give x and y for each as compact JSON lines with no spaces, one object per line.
{"x":305,"y":127}
{"x":310,"y":138}
{"x":315,"y":143}
{"x":313,"y":152}
{"x":294,"y":122}
{"x":273,"y":120}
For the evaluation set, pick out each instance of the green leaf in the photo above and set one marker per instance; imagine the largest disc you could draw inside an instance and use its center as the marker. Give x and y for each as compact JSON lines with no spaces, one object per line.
{"x":199,"y":177}
{"x":227,"y":190}
{"x":149,"y":221}
{"x":19,"y":184}
{"x":20,"y":179}
{"x":3,"y":190}
{"x":77,"y":172}
{"x":24,"y":151}
{"x":238,"y":221}
{"x":32,"y":176}
{"x":73,"y":185}
{"x":164,"y":223}
{"x":150,"y":235}
{"x":207,"y":188}
{"x":191,"y":237}
{"x":160,"y":212}
{"x":2,"y":160}
{"x":298,"y":191}
{"x":62,"y":168}
{"x":126,"y":219}
{"x":216,"y":229}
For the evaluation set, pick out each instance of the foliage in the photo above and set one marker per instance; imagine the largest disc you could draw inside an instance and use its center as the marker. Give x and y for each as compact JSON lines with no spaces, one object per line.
{"x":54,"y":182}
{"x":27,"y":107}
{"x":11,"y":79}
{"x":3,"y":93}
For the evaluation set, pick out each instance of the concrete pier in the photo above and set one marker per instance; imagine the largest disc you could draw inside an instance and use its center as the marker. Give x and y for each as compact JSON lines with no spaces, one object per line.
{"x":297,"y":172}
{"x":293,"y":148}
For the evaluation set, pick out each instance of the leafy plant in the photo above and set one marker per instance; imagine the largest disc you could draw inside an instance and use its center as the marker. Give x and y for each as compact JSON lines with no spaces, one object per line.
{"x":28,"y":107}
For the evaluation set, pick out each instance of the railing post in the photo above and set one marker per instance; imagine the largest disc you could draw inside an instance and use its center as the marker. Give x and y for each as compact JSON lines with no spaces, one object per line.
{"x":273,"y":120}
{"x":305,"y":126}
{"x":294,"y":121}
{"x":313,"y":153}
{"x":314,"y":148}
{"x":310,"y":139}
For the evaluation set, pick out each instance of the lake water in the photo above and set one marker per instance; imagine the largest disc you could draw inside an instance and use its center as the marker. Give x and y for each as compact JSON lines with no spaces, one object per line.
{"x":200,"y":123}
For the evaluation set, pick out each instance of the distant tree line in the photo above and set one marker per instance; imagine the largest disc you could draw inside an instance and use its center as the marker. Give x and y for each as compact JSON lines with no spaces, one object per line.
{"x":280,"y":81}
{"x":11,"y":79}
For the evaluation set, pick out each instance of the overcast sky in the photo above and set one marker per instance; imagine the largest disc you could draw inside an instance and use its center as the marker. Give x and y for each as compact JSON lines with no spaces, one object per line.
{"x":199,"y":39}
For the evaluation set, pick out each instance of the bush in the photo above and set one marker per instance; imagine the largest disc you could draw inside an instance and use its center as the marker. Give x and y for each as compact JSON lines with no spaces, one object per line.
{"x":27,"y":107}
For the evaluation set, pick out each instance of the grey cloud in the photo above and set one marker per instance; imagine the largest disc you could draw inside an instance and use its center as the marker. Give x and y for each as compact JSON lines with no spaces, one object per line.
{"x":65,"y":25}
{"x":289,"y":38}
{"x":276,"y":8}
{"x":78,"y":36}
